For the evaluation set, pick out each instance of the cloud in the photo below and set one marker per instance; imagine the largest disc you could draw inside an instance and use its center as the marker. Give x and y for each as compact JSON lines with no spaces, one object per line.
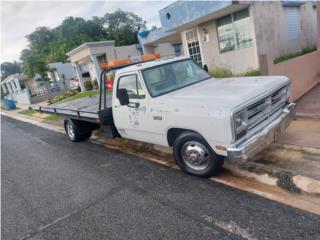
{"x":18,"y":19}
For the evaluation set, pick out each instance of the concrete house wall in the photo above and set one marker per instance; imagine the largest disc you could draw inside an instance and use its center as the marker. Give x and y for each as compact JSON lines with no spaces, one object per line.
{"x":59,"y":71}
{"x":238,"y":61}
{"x":270,"y":25}
{"x":165,"y":49}
{"x":268,"y":29}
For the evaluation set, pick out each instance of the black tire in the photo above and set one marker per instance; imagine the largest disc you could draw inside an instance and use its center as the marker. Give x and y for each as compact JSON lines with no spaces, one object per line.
{"x":194,"y":155}
{"x":86,"y":136}
{"x":72,"y":130}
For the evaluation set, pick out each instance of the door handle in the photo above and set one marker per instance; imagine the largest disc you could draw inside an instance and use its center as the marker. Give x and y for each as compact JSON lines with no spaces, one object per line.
{"x":134,"y":105}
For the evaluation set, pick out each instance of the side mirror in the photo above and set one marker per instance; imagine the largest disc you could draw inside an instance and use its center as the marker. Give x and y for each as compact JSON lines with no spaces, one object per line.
{"x":123,"y":96}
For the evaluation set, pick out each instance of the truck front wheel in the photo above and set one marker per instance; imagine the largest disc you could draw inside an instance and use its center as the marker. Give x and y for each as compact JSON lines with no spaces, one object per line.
{"x":194,"y":155}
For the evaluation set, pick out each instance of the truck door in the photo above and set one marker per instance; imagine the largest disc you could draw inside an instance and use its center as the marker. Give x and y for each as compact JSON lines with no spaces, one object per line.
{"x":129,"y":119}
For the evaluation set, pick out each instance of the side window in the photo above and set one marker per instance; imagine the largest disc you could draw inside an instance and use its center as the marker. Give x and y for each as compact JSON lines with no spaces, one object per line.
{"x":133,"y":86}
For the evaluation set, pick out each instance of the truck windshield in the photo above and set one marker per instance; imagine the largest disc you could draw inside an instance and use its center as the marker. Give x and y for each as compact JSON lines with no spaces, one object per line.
{"x":170,"y":77}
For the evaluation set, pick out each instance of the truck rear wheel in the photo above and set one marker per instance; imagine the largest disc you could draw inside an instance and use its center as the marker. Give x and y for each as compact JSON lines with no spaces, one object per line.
{"x":75,"y":131}
{"x":194,"y":155}
{"x":72,"y":130}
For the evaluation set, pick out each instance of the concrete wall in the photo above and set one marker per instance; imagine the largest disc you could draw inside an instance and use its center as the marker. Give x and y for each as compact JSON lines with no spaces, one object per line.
{"x":270,"y":25}
{"x":181,"y":13}
{"x":165,"y":49}
{"x":318,"y":23}
{"x":126,"y":51}
{"x":238,"y":61}
{"x":63,"y":69}
{"x":303,"y":71}
{"x":21,"y":96}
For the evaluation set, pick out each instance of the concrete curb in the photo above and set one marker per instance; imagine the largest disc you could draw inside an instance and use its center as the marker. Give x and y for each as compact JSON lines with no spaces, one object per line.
{"x":282,"y":178}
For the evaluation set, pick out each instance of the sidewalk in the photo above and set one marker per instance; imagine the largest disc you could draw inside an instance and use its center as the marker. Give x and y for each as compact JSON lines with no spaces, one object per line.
{"x":303,"y":132}
{"x":308,"y":106}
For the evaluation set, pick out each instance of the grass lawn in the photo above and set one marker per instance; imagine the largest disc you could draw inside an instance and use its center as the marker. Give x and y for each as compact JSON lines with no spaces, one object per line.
{"x":81,"y":95}
{"x":28,"y":112}
{"x":52,"y":117}
{"x":44,"y":116}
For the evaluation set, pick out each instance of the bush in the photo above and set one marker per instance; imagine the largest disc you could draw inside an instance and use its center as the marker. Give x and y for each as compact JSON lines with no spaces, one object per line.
{"x":221,"y":73}
{"x":289,"y":56}
{"x":88,"y":85}
{"x":70,"y":93}
{"x":95,"y":84}
{"x":252,"y":73}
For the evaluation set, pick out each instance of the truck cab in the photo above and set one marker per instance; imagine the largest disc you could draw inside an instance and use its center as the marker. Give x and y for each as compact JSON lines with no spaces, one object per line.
{"x":175,"y":103}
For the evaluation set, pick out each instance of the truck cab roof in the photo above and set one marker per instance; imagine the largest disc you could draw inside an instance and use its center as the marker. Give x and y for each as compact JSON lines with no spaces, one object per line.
{"x":149,"y":64}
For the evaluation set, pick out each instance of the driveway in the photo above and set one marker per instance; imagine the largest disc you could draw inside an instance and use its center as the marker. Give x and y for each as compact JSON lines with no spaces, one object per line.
{"x":55,"y":189}
{"x":308,"y":106}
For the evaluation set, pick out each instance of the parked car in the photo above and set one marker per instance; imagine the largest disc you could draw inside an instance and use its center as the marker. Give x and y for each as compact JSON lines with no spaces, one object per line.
{"x":74,"y":84}
{"x":175,"y":103}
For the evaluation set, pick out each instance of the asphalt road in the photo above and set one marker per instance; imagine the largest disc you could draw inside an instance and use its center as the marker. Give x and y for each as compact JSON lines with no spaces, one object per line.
{"x":55,"y":189}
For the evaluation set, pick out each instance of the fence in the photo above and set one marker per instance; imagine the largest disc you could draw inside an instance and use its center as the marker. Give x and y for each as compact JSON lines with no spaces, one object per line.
{"x":303,"y":71}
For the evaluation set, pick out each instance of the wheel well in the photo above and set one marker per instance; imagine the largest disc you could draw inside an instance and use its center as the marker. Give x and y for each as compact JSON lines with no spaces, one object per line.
{"x":173,"y":133}
{"x":83,"y":126}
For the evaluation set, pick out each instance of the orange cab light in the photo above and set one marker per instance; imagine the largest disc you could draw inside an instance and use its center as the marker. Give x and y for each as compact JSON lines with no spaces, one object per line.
{"x":104,"y":65}
{"x":148,"y":57}
{"x":128,"y":61}
{"x":119,"y":62}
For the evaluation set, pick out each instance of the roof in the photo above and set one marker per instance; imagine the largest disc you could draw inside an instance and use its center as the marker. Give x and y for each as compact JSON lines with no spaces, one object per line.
{"x":144,"y":65}
{"x":90,"y":44}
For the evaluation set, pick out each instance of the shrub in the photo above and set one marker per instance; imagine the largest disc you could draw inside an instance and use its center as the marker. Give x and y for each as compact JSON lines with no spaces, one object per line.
{"x":88,"y":85}
{"x":253,"y":72}
{"x":221,"y":73}
{"x":70,"y":93}
{"x":95,"y":84}
{"x":289,"y":56}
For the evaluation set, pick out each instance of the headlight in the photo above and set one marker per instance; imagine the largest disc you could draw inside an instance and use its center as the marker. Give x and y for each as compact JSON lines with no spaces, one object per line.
{"x":240,"y":121}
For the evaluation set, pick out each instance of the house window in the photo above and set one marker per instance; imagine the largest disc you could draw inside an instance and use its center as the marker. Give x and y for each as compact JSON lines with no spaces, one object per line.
{"x":22,"y":85}
{"x":102,"y":59}
{"x":293,"y":22}
{"x":234,"y":31}
{"x":177,"y":49}
{"x":193,"y":46}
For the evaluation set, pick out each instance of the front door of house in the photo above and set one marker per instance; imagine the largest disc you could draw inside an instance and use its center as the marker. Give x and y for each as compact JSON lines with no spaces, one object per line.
{"x":193,"y":45}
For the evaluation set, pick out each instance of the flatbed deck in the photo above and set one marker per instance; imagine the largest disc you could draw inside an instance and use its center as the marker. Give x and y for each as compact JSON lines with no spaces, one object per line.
{"x":86,"y":108}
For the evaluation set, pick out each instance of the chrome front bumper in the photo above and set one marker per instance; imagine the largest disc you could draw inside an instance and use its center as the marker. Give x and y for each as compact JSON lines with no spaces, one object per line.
{"x":259,"y":141}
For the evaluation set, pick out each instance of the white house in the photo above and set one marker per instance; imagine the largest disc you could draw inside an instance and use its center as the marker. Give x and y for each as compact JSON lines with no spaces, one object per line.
{"x":86,"y":58}
{"x":233,"y":34}
{"x":14,"y":87}
{"x":60,"y":74}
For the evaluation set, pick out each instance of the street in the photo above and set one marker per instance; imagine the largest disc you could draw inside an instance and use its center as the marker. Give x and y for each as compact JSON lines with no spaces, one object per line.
{"x":55,"y":189}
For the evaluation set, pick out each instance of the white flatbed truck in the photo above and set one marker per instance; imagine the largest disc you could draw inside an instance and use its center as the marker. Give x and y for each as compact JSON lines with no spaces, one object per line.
{"x":175,"y":103}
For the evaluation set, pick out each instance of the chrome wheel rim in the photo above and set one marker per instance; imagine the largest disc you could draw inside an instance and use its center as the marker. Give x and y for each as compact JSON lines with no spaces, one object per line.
{"x":70,"y":129}
{"x":195,"y":155}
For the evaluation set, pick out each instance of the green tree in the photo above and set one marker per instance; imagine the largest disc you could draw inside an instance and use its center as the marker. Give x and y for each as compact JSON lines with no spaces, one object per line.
{"x":123,"y":27}
{"x":33,"y":63}
{"x":51,"y":45}
{"x":9,"y":68}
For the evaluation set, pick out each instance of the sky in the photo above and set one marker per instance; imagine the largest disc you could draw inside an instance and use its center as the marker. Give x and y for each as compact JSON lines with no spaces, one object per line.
{"x":19,"y":18}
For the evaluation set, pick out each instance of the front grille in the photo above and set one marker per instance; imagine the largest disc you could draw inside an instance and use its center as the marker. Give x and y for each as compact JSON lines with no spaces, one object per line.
{"x":266,"y":107}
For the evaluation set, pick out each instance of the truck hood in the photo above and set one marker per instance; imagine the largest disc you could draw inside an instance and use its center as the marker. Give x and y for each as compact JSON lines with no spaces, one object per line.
{"x":229,"y":91}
